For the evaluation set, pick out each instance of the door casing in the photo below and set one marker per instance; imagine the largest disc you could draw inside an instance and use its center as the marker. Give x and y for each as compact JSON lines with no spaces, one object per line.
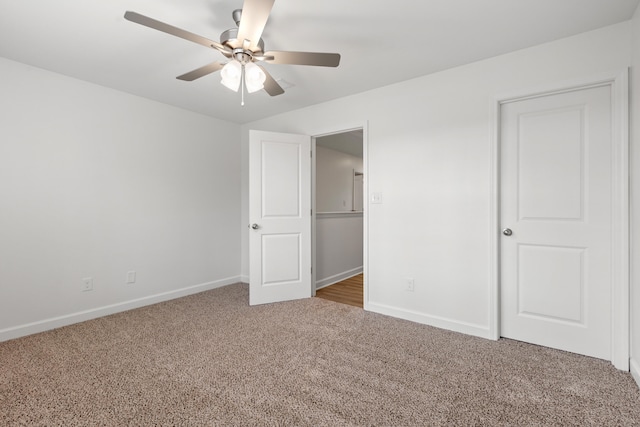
{"x":619,"y":83}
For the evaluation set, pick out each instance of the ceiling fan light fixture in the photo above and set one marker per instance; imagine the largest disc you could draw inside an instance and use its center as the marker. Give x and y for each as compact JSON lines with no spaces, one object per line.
{"x":232,"y":75}
{"x":242,"y":45}
{"x":254,"y":77}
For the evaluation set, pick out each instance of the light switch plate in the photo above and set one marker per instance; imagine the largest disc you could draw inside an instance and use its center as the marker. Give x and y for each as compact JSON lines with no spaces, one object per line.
{"x":131,"y":277}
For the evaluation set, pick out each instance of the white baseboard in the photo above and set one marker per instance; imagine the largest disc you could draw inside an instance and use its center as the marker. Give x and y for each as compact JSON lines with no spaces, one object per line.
{"x":328,"y":281}
{"x":438,"y":322}
{"x":244,"y":279}
{"x":81,"y":316}
{"x":635,"y":370}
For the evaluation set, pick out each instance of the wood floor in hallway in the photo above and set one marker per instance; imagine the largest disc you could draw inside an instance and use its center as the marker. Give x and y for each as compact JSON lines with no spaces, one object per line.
{"x":349,"y":291}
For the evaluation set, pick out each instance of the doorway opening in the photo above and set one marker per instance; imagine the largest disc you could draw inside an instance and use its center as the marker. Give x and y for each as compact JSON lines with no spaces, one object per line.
{"x":338,"y":194}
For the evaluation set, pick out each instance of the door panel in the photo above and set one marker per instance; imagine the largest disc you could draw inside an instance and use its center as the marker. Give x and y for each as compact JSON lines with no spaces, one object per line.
{"x":541,"y":268}
{"x":556,"y":181}
{"x":554,"y":139}
{"x":280,"y":211}
{"x":281,"y":259}
{"x":281,"y":179}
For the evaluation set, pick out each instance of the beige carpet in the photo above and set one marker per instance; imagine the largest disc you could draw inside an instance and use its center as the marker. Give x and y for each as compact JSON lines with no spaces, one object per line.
{"x":210,"y":359}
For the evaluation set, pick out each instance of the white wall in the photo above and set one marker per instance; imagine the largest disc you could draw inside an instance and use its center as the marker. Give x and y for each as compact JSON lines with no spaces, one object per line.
{"x":635,"y":198}
{"x":95,"y":183}
{"x":334,"y":179}
{"x":429,"y":155}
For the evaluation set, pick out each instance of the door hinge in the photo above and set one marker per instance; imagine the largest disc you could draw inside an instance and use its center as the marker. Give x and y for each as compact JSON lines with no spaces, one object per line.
{"x":311,"y":270}
{"x":310,"y":153}
{"x":311,"y":212}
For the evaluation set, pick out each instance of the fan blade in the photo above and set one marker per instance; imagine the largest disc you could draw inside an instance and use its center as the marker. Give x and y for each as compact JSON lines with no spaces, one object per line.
{"x":262,"y":58}
{"x":255,"y":14}
{"x":174,"y":31}
{"x":200,"y":72}
{"x":271,"y":86}
{"x":304,"y":58}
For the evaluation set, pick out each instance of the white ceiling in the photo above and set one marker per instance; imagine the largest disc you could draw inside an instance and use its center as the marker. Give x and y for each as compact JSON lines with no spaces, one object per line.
{"x":381,"y":42}
{"x":345,"y":142}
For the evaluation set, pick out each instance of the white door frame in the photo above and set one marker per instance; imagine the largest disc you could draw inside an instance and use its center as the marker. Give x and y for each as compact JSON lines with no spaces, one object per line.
{"x":365,"y":206}
{"x":619,"y":83}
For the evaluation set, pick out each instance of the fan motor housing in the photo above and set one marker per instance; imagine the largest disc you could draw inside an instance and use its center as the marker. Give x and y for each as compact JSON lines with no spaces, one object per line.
{"x":230,"y":38}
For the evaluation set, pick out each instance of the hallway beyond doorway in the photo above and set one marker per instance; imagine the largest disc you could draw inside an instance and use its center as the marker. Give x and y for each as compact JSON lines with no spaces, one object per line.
{"x":349,"y":291}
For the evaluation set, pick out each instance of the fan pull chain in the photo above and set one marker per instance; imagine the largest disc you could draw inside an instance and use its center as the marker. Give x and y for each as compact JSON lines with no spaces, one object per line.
{"x":242,"y":86}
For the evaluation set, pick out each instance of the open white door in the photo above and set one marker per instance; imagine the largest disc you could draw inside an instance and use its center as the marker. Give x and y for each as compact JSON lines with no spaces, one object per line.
{"x":280,"y":217}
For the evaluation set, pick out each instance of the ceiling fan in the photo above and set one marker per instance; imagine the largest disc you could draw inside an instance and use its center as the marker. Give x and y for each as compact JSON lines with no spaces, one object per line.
{"x":244,"y":48}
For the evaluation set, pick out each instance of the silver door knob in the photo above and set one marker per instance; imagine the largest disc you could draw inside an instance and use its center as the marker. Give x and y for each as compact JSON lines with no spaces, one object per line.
{"x":507,"y":232}
{"x":255,"y":226}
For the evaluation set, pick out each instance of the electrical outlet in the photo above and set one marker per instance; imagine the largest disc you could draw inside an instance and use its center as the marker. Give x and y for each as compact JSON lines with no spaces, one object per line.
{"x":410,"y":284}
{"x":131,"y":277}
{"x":87,"y":284}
